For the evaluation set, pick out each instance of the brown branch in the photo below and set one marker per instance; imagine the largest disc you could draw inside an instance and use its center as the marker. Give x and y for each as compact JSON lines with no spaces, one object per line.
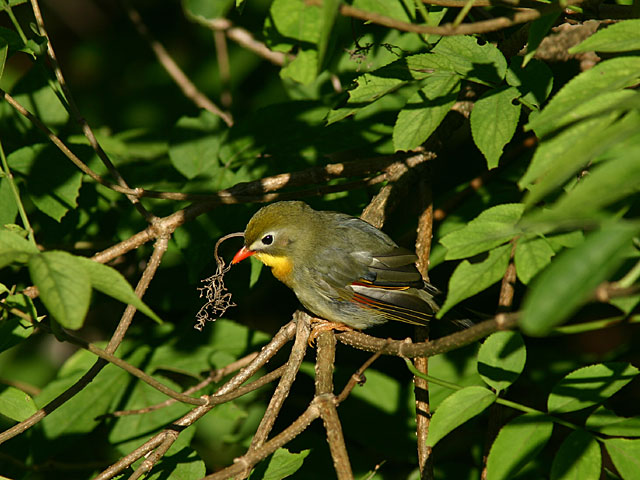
{"x":285,"y":334}
{"x":357,"y":378}
{"x":222,"y":54}
{"x":325,"y":359}
{"x":246,"y":190}
{"x":484,"y":26}
{"x":171,"y":435}
{"x":86,"y":129}
{"x":387,"y":199}
{"x":252,"y":457}
{"x":64,"y":149}
{"x":213,"y":377}
{"x":242,"y":37}
{"x":303,"y":329}
{"x":507,"y":287}
{"x":459,"y":339}
{"x":485,"y":3}
{"x":175,"y":72}
{"x":421,"y":386}
{"x":135,"y":371}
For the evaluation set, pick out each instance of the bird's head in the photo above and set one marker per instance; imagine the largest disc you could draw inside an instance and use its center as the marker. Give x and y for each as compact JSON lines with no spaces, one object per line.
{"x":278,"y":235}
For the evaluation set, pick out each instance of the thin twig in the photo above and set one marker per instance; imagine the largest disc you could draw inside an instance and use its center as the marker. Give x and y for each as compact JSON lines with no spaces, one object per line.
{"x":175,"y":72}
{"x":171,"y":435}
{"x":242,"y":37}
{"x":64,"y":149}
{"x":213,"y":377}
{"x":86,"y":129}
{"x":135,"y":371}
{"x":484,"y":26}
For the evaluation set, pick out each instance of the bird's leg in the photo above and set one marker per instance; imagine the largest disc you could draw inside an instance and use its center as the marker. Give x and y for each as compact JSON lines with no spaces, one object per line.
{"x":319,"y":325}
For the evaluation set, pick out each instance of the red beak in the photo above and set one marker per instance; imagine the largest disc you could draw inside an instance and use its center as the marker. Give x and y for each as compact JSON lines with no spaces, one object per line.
{"x":243,"y":253}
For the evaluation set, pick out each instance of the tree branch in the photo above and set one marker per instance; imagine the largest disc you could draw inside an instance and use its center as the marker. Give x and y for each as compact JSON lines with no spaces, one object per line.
{"x":484,"y":26}
{"x":175,"y":72}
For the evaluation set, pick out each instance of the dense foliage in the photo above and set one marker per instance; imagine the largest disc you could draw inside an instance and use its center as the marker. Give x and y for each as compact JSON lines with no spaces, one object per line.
{"x":511,"y":129}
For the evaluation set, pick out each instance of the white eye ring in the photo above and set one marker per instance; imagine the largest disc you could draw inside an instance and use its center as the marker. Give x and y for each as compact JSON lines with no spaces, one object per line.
{"x":267,"y":239}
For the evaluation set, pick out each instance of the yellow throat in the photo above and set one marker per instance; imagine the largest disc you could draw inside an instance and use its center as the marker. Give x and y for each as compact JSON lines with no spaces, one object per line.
{"x":281,"y":266}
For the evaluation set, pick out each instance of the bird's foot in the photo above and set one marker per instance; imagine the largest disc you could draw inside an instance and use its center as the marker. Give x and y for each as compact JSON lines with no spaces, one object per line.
{"x":318,"y":325}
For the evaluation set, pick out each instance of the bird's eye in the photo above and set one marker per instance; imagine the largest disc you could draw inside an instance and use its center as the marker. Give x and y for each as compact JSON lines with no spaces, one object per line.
{"x":267,"y":239}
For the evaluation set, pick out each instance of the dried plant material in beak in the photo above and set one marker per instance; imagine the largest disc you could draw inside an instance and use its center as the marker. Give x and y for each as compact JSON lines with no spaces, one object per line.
{"x":218,"y":298}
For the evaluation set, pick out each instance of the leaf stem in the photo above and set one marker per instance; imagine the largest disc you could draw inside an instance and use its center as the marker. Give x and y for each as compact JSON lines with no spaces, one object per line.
{"x":7,"y":8}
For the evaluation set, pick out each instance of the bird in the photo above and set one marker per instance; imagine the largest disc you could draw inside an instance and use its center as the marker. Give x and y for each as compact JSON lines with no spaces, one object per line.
{"x":342,"y":269}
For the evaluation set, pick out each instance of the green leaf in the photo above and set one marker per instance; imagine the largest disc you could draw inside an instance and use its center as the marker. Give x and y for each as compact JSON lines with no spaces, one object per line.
{"x":538,"y":30}
{"x":561,"y":146}
{"x":206,"y":9}
{"x":517,"y":443}
{"x":562,"y":288}
{"x":381,"y":391}
{"x":302,"y":69}
{"x":494,"y":119}
{"x":491,"y":228}
{"x":456,"y":409}
{"x":4,"y":50}
{"x":587,"y":149}
{"x":534,"y":82}
{"x":605,"y":77}
{"x":35,"y":94}
{"x":13,"y":329}
{"x":372,"y":86}
{"x":589,"y":386}
{"x":79,"y":414}
{"x":532,"y":256}
{"x":484,"y":64}
{"x":110,"y":282}
{"x":578,"y":458}
{"x":606,"y":422}
{"x":625,"y":455}
{"x":14,"y":248}
{"x":283,"y":464}
{"x":183,"y":463}
{"x":256,"y":268}
{"x":297,"y":20}
{"x":64,"y":285}
{"x":194,"y":144}
{"x":394,"y":8}
{"x":459,"y":367}
{"x":424,"y":111}
{"x":130,"y":431}
{"x":606,"y":183}
{"x":9,"y":208}
{"x":329,"y":14}
{"x":501,"y":359}
{"x":471,"y":278}
{"x":52,"y":181}
{"x":617,"y":37}
{"x":16,"y":404}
